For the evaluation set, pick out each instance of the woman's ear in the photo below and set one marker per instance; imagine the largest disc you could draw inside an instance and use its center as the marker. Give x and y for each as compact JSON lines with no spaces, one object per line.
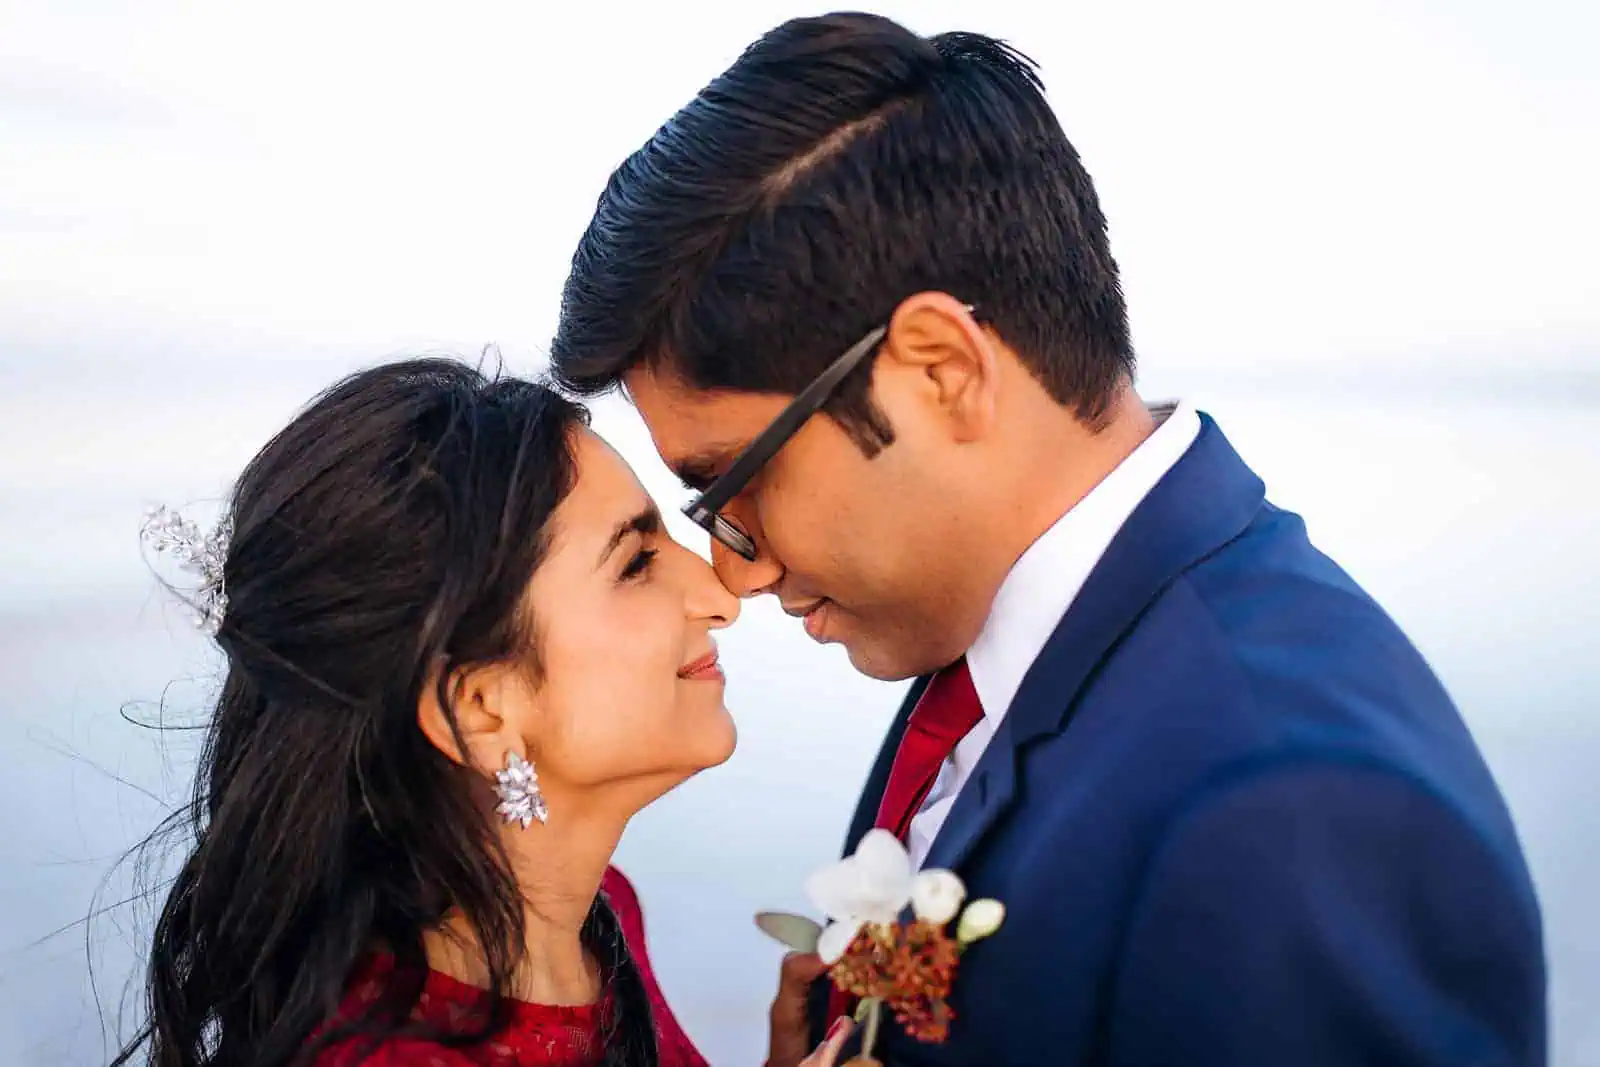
{"x":491,"y":705}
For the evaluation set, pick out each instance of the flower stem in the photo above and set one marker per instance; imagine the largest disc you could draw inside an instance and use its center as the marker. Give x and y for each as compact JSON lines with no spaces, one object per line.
{"x":869,"y":1037}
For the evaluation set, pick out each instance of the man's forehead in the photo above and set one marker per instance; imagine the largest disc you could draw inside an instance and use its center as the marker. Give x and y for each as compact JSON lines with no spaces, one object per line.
{"x":696,"y":425}
{"x":663,"y":391}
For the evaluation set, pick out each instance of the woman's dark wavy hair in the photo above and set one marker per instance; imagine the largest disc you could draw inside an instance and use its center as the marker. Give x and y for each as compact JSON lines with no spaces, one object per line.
{"x":385,"y":537}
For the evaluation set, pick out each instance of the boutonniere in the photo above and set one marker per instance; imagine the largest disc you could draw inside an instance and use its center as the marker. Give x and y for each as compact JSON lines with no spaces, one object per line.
{"x":906,"y":966}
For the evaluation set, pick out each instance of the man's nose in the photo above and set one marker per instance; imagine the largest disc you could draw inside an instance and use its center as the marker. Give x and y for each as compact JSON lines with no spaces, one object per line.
{"x":746,"y":578}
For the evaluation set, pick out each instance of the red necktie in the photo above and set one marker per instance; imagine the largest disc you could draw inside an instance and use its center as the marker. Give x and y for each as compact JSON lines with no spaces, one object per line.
{"x":947,"y":712}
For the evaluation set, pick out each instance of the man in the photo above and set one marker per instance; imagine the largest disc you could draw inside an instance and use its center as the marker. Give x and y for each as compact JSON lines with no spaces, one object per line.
{"x":860,"y":290}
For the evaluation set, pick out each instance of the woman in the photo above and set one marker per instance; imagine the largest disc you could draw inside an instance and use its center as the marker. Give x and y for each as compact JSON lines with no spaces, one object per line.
{"x":462,"y":652}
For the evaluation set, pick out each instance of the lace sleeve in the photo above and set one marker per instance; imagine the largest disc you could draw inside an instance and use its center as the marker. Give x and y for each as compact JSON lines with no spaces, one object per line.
{"x":396,"y":1052}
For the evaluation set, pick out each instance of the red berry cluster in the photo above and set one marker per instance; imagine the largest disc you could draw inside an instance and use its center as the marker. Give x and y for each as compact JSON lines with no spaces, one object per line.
{"x":910,"y":967}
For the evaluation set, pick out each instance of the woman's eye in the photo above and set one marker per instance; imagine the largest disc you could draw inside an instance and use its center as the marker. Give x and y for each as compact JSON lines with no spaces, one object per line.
{"x":639,"y":564}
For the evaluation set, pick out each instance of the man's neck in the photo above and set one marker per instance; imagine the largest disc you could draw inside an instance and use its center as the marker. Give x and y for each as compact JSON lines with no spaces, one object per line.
{"x":1060,"y":462}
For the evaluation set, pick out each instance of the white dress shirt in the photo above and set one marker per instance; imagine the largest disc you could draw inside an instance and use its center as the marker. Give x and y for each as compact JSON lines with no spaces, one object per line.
{"x":1037,"y":593}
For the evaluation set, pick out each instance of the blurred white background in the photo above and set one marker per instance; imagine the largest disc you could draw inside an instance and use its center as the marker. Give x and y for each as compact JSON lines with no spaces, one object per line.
{"x":1361,"y":235}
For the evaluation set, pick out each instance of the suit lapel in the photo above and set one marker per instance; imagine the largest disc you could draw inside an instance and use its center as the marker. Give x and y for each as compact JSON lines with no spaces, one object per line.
{"x":1206,"y":500}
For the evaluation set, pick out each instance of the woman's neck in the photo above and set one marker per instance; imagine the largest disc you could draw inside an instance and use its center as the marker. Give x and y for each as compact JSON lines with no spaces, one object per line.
{"x":558,"y":868}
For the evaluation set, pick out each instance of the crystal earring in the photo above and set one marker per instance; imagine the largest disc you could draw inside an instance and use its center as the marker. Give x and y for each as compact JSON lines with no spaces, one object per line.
{"x":518,"y":789}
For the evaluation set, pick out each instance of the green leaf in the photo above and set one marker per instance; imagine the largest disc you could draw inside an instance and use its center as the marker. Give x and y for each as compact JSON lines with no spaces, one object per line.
{"x":796,"y":931}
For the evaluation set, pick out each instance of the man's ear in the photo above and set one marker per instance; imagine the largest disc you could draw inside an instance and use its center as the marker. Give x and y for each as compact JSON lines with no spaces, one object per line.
{"x":489,"y":707}
{"x":951,"y":359}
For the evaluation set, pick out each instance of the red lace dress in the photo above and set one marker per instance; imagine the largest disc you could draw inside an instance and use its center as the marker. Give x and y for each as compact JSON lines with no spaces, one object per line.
{"x":537,"y":1036}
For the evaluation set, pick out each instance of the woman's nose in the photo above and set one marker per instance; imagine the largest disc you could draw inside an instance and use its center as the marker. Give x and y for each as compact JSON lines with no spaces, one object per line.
{"x":709,"y":598}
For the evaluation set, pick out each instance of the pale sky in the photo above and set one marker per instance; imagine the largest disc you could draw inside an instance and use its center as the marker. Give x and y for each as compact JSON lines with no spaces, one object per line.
{"x":1286,"y":182}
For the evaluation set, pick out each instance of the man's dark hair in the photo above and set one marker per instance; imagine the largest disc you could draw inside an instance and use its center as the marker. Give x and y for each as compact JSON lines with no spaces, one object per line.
{"x":839,"y":166}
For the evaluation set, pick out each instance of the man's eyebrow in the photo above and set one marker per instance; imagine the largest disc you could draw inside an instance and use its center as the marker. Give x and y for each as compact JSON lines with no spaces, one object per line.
{"x":647,"y":521}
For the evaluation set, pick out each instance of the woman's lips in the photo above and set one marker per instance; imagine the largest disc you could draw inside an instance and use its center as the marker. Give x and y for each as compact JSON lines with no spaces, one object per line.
{"x":704,"y":669}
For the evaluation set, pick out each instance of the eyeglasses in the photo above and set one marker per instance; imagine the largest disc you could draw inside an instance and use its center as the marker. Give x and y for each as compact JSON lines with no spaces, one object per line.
{"x":705,"y":509}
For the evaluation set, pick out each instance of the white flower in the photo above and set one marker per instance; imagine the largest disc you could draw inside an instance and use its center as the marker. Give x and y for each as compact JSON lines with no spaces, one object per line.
{"x":874,"y":886}
{"x":936,"y":896}
{"x":982,"y":918}
{"x":836,"y":938}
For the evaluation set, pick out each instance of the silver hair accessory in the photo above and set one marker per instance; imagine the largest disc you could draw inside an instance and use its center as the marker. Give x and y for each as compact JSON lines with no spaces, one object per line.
{"x":169,"y":533}
{"x":518,"y":788}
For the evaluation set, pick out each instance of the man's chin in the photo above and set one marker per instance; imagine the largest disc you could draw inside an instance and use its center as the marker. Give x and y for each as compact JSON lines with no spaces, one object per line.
{"x":877,"y":662}
{"x":828,"y":624}
{"x":890,"y":662}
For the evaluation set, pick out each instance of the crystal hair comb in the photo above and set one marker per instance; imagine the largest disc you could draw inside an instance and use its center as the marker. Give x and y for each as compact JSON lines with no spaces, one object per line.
{"x":168,"y":533}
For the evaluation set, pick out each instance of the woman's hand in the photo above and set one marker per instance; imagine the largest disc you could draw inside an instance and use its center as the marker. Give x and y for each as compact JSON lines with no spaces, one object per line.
{"x":827,"y":1053}
{"x":790,"y":1030}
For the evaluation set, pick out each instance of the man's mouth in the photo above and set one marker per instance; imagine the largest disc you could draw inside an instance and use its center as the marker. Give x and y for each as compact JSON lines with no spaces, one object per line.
{"x":813,"y":614}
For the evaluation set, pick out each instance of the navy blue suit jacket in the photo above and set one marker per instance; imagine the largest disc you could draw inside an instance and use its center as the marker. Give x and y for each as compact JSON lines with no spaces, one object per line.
{"x":1235,"y":820}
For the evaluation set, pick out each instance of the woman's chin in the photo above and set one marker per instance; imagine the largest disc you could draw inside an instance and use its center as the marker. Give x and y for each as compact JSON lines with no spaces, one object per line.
{"x":712,"y":751}
{"x":710,"y":744}
{"x":720,"y":740}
